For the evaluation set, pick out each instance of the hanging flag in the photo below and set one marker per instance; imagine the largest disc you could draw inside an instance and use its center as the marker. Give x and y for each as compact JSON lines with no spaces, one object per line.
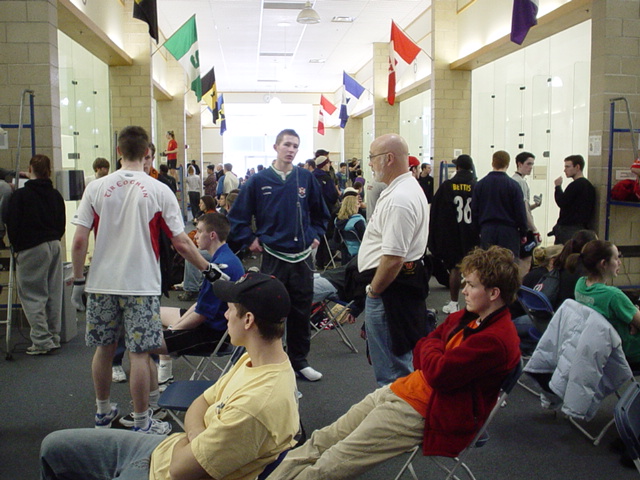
{"x":326,"y":105}
{"x":344,"y":115}
{"x":351,"y":89}
{"x":210,"y":95}
{"x":147,"y":11}
{"x":223,"y":118}
{"x":403,"y":47}
{"x":351,"y":85}
{"x":524,"y":17}
{"x":183,"y":45}
{"x":321,"y":121}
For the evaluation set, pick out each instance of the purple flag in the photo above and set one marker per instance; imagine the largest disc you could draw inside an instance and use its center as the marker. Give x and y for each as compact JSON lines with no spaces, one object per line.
{"x":523,"y":18}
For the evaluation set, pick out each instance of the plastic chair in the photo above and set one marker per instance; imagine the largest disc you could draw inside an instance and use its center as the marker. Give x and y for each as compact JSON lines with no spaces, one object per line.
{"x":537,"y":307}
{"x":627,"y":418}
{"x":478,"y":441}
{"x":179,"y":396}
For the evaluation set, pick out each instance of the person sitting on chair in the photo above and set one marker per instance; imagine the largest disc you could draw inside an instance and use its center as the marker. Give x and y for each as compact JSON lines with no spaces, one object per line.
{"x":459,"y":369}
{"x":233,"y":430}
{"x":200,"y":327}
{"x":350,"y":225}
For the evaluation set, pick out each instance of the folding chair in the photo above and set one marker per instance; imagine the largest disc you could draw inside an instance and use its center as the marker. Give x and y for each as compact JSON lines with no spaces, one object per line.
{"x":566,"y":344}
{"x":200,"y":360}
{"x":331,"y":313}
{"x":627,"y":418}
{"x":179,"y":396}
{"x":537,"y":307}
{"x":540,"y":311}
{"x":478,"y":441}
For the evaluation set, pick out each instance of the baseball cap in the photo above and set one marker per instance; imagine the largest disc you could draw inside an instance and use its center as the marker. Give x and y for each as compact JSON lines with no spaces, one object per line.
{"x":263,"y":295}
{"x":413,"y":161}
{"x":465,"y":162}
{"x":349,"y":191}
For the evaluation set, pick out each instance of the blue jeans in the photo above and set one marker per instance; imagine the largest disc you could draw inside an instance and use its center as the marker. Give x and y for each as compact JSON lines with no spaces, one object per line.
{"x":387,"y":366}
{"x":97,"y":454}
{"x":322,"y":289}
{"x":192,"y":279}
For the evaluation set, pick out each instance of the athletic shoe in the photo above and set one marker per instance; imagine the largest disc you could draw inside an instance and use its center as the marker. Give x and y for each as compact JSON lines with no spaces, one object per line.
{"x":127,"y":420}
{"x":117,"y":374}
{"x":451,"y":307}
{"x":154,"y":427}
{"x":165,"y":374}
{"x":309,"y":374}
{"x":188,"y":296}
{"x":104,"y":420}
{"x":35,"y":350}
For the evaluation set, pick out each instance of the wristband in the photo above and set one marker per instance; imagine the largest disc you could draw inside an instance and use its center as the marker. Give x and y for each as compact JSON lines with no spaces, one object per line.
{"x":79,"y":282}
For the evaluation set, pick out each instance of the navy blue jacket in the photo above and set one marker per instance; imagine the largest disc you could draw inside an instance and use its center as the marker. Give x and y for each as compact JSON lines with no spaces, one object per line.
{"x":497,"y":199}
{"x":289,"y":214}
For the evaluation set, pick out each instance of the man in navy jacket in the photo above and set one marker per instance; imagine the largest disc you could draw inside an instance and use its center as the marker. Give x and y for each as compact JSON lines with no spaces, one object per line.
{"x":291,"y":217}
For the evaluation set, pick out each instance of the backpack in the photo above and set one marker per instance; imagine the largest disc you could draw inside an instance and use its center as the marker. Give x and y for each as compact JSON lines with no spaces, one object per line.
{"x":549,"y":285}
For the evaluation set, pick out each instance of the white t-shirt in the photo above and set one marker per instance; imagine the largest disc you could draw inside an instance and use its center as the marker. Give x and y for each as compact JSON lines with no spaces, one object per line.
{"x":399,"y":225}
{"x":126,"y":210}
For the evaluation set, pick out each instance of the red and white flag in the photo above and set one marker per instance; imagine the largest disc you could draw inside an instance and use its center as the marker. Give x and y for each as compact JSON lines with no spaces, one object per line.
{"x":400,"y":46}
{"x":326,"y":105}
{"x":321,"y":121}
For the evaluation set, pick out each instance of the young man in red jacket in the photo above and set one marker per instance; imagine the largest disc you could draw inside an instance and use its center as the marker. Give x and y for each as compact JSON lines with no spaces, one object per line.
{"x":459,"y":369}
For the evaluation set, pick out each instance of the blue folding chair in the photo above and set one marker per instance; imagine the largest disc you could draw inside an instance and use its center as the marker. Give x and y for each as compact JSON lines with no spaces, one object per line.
{"x":537,"y":307}
{"x":478,"y":441}
{"x":179,"y":396}
{"x":627,"y":418}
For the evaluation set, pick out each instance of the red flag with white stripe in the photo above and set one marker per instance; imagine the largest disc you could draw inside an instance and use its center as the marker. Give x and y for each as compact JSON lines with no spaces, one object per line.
{"x":326,"y":105}
{"x":321,"y":122}
{"x":400,"y":46}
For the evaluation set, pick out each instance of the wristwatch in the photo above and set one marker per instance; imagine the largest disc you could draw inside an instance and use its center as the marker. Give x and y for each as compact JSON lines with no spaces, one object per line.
{"x":370,"y":292}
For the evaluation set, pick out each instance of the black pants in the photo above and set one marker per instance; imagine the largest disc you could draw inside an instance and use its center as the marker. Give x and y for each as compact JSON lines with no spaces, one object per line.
{"x":298,"y":279}
{"x":194,"y":203}
{"x":501,"y":235}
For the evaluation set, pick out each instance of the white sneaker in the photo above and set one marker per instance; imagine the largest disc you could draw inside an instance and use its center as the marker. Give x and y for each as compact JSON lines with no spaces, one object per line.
{"x":450,"y":307}
{"x":117,"y":374}
{"x":309,"y":374}
{"x":165,"y":371}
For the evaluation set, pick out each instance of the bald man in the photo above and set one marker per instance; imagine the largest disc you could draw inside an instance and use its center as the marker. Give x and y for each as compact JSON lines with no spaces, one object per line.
{"x":391,"y":255}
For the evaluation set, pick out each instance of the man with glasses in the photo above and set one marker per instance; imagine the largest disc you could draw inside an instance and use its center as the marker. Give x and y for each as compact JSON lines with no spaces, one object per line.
{"x":391,"y":255}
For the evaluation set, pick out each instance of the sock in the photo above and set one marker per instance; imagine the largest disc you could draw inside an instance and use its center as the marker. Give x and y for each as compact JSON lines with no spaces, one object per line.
{"x":104,"y":406}
{"x":141,"y":420}
{"x":153,"y":399}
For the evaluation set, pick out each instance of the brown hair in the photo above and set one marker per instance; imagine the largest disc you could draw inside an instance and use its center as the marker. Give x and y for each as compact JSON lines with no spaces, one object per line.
{"x":133,"y":142}
{"x":286,"y":131}
{"x":40,"y":166}
{"x":592,"y":254}
{"x":574,"y":245}
{"x":216,"y":222}
{"x":576,"y":160}
{"x":500,"y":160}
{"x":268,"y":330}
{"x":209,"y":202}
{"x":495,"y":268}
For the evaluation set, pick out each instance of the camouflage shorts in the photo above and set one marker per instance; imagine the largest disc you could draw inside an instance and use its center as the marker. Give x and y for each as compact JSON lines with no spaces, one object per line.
{"x":107,"y":315}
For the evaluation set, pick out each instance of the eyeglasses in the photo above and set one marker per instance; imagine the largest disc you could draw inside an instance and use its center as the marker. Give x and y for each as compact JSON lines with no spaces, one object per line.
{"x":371,"y":157}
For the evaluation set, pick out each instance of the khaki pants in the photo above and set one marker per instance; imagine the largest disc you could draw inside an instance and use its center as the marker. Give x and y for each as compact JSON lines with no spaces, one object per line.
{"x":378,"y":428}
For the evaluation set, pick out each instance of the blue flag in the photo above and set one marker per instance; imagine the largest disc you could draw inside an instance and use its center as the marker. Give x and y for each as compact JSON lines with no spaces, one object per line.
{"x":522,"y":19}
{"x":344,"y":116}
{"x":222,"y":117}
{"x":351,"y":85}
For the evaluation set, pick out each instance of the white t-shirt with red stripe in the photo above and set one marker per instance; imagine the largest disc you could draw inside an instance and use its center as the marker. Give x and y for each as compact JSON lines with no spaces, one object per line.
{"x":126,"y":210}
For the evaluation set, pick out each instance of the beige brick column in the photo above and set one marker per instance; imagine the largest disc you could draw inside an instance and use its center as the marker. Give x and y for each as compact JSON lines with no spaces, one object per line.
{"x":353,"y":140}
{"x":450,"y":89}
{"x":194,"y":132}
{"x":615,"y":72}
{"x":171,"y":114}
{"x":29,"y":60}
{"x":131,"y":86}
{"x":386,"y":117}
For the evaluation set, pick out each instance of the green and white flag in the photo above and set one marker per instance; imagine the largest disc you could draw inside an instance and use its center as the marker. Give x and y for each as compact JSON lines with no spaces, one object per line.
{"x":183,"y":45}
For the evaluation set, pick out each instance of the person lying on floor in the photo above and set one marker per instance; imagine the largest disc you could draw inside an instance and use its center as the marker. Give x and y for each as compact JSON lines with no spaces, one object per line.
{"x":459,"y":369}
{"x":233,"y":430}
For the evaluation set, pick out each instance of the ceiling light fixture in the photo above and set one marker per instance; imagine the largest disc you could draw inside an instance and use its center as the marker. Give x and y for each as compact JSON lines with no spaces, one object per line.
{"x":308,"y":15}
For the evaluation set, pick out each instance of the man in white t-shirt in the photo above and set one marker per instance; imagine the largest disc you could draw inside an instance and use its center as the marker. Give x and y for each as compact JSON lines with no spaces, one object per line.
{"x":392,"y":249}
{"x":233,"y":430}
{"x":127,"y":210}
